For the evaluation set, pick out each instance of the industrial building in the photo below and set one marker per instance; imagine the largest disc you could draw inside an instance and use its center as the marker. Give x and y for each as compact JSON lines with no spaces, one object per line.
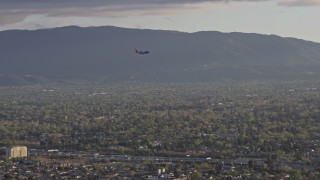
{"x":17,"y":151}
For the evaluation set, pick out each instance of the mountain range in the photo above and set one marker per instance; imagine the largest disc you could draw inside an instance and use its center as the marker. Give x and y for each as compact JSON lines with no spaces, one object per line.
{"x":106,"y":54}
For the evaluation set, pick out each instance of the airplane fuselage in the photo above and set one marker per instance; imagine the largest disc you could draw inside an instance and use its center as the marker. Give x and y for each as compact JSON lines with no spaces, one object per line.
{"x":142,"y":52}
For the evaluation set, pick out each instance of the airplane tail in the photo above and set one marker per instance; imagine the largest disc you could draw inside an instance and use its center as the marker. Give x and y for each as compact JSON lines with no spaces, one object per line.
{"x":136,"y":50}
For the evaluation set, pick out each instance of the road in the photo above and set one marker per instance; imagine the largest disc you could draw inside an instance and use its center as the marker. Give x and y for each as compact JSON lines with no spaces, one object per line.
{"x":160,"y":159}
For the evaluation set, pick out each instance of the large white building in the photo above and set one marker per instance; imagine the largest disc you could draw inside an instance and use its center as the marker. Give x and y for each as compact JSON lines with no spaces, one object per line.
{"x":17,"y":151}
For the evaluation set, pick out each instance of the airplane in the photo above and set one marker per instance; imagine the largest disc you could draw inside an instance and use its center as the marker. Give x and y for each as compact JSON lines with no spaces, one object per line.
{"x":141,"y":52}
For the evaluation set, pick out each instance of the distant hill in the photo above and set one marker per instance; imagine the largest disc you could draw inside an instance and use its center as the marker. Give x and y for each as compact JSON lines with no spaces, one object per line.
{"x":106,"y":54}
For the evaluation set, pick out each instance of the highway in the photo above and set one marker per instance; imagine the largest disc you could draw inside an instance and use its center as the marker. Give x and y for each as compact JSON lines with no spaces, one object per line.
{"x":127,"y":158}
{"x":161,"y":159}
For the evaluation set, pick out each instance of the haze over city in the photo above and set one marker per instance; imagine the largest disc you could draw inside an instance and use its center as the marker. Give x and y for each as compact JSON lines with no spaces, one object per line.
{"x":288,"y":18}
{"x":159,"y":89}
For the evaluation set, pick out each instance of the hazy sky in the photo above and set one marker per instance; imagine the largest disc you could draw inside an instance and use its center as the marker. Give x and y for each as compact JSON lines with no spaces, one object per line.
{"x":289,"y":18}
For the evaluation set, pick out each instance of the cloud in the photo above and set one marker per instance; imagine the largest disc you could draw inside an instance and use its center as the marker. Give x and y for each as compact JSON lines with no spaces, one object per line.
{"x":22,"y":13}
{"x":94,"y":7}
{"x":14,"y":11}
{"x":125,"y":4}
{"x":293,"y":3}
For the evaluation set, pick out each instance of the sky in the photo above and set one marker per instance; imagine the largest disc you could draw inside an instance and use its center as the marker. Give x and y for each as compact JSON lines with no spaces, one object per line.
{"x":287,"y":18}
